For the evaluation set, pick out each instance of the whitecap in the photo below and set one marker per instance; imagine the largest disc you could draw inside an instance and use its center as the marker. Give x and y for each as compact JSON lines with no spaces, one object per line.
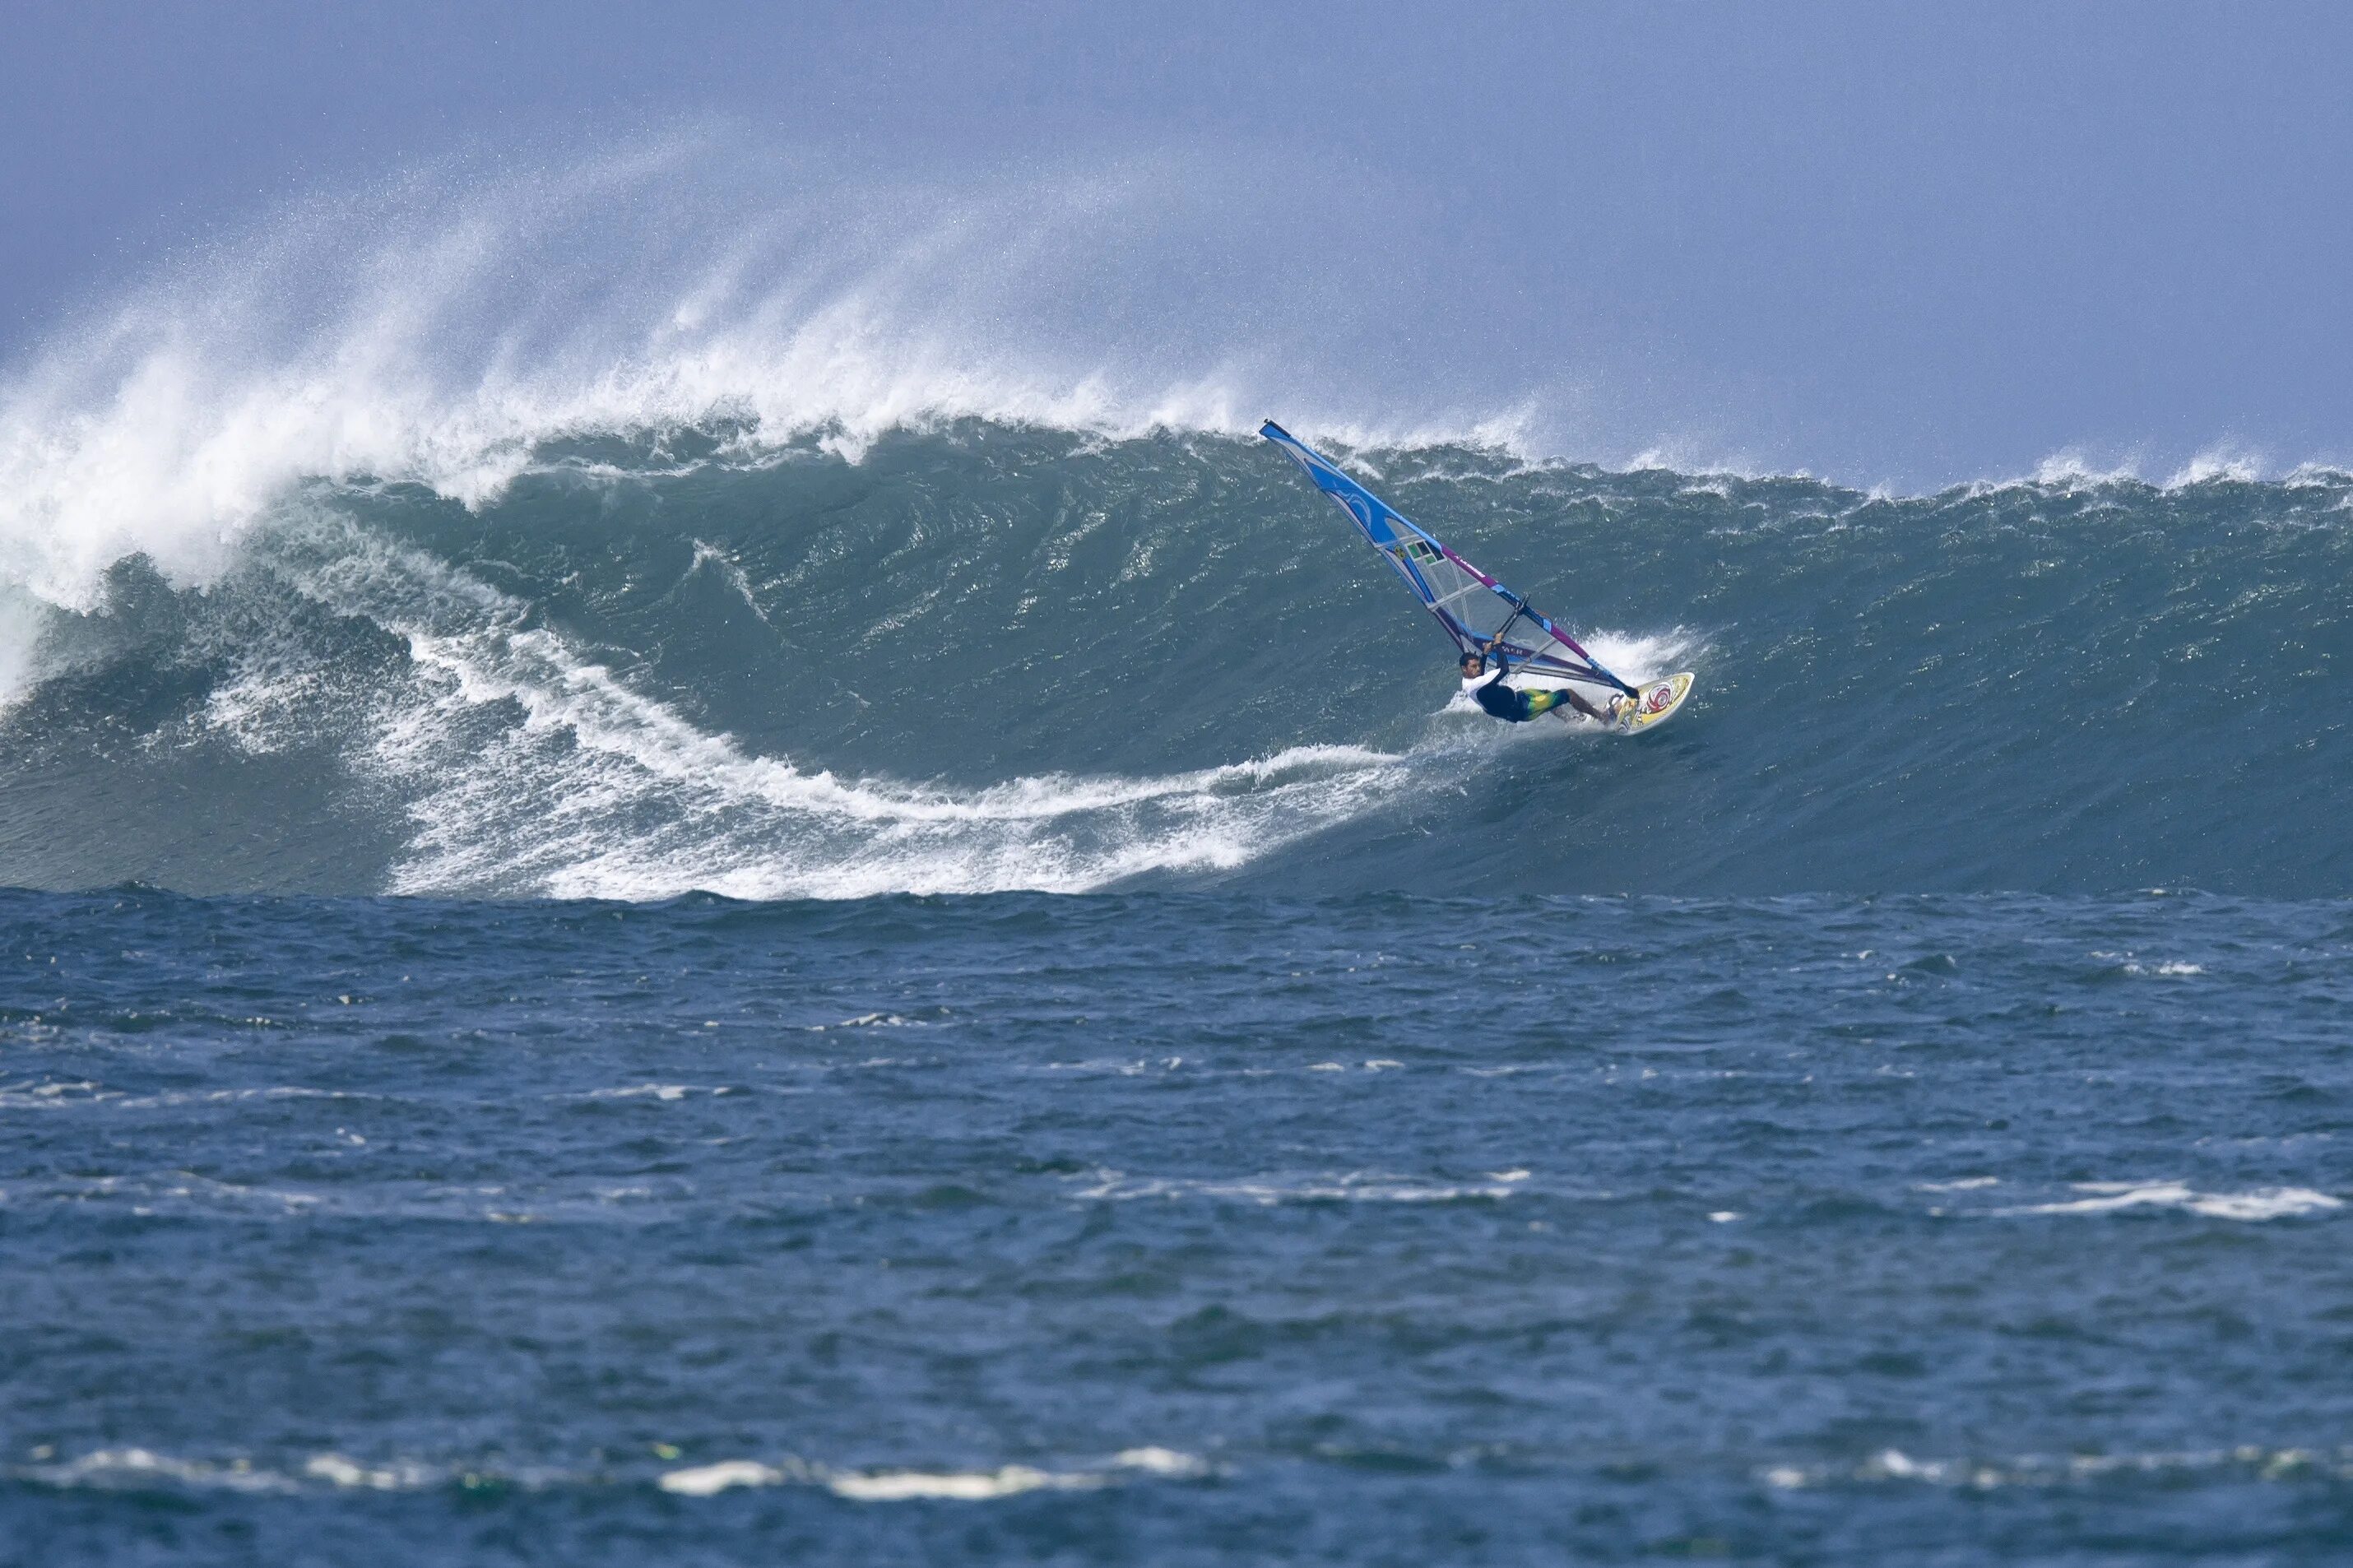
{"x":709,"y":1481}
{"x":1155,"y":1460}
{"x":953,"y":1486}
{"x":2247,"y":1460}
{"x":123,"y":1469}
{"x":664,"y":1091}
{"x":2117,"y":1197}
{"x":347,"y":1473}
{"x":1353,"y":1187}
{"x":908,"y":1485}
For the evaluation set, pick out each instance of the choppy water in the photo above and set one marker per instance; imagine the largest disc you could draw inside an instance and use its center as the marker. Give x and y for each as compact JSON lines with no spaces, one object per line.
{"x":1175,"y":1227}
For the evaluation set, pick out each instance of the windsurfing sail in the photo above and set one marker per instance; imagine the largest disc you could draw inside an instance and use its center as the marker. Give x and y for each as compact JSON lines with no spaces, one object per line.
{"x":1473,"y":606}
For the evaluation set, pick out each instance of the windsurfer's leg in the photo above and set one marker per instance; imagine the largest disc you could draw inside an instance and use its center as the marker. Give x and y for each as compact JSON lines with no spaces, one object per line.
{"x":1582,"y":706}
{"x":1546,"y":701}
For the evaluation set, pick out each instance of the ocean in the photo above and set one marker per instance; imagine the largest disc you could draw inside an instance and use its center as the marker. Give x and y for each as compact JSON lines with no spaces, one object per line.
{"x":977,"y":1002}
{"x":1176,"y":1226}
{"x":635,"y":975}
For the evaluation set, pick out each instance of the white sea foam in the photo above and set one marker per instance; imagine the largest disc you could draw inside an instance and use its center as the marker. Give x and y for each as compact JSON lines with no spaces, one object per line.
{"x":1706,"y":462}
{"x":602,"y":793}
{"x":141,"y":1469}
{"x":2223,"y":462}
{"x":52,"y":1094}
{"x":2169,"y":968}
{"x":1639,"y":658}
{"x":1354,"y":1186}
{"x":136,"y":1470}
{"x":527,"y":766}
{"x":2244,"y":1461}
{"x":1155,"y":1460}
{"x":928,"y":1486}
{"x":440,"y":331}
{"x":22,"y":666}
{"x":2071,"y":469}
{"x":2117,"y":1197}
{"x":954,"y":1486}
{"x":399,"y":1476}
{"x":710,"y":1480}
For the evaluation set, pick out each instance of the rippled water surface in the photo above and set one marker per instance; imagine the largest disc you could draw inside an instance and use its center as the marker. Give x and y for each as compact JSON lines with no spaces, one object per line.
{"x":1174,"y":1227}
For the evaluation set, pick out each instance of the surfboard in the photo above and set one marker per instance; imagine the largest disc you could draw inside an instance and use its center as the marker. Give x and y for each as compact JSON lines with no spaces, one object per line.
{"x":1656,"y":701}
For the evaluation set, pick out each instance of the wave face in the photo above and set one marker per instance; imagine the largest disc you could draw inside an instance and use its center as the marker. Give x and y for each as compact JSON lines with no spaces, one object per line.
{"x":975,"y":655}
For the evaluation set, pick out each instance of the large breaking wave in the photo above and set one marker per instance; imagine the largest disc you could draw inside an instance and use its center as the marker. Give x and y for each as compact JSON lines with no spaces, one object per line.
{"x":985,"y":657}
{"x":776,"y":558}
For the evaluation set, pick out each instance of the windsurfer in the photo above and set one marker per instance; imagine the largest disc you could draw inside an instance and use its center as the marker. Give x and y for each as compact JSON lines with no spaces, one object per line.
{"x":1517,"y":707}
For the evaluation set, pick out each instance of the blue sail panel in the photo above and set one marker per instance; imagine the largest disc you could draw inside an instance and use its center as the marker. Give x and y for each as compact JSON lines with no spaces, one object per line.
{"x":1379,"y":519}
{"x":1470,"y":604}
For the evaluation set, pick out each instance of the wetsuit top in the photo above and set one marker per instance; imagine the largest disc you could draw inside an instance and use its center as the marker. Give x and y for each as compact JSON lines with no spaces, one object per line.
{"x":1499,"y":699}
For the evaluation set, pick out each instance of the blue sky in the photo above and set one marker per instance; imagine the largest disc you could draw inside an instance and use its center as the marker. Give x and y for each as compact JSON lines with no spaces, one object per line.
{"x":1896,"y":242}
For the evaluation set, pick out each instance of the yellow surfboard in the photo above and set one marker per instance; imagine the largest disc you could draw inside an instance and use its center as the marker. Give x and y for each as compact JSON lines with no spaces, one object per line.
{"x":1655,"y":702}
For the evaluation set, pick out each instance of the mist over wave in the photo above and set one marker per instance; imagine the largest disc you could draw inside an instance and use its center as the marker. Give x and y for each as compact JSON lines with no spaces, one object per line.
{"x":442,"y":328}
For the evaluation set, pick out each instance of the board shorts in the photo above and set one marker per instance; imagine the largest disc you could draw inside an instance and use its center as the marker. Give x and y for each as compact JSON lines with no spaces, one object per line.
{"x":1533,"y":703}
{"x":1524,"y":705}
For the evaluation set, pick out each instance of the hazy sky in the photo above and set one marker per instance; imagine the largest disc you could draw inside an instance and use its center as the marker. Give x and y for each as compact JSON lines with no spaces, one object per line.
{"x":1890,"y":241}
